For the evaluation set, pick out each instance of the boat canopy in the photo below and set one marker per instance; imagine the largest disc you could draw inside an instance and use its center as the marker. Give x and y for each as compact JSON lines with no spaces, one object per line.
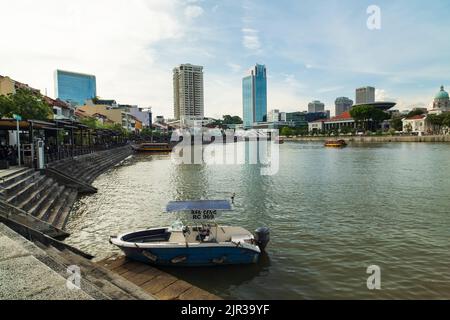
{"x":200,"y":205}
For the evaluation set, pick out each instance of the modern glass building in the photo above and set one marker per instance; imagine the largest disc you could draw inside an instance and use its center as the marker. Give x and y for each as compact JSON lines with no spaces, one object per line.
{"x":296,"y":119}
{"x":254,"y":94}
{"x":75,"y":88}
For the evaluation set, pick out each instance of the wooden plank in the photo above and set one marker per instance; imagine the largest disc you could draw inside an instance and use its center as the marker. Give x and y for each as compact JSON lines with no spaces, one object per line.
{"x":142,"y":277}
{"x":154,"y":281}
{"x":133,"y":267}
{"x":159,"y":283}
{"x":196,"y":293}
{"x":112,"y":263}
{"x":174,"y":290}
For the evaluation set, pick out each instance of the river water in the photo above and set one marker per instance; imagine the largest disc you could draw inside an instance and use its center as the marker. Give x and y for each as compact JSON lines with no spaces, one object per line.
{"x":332,"y":213}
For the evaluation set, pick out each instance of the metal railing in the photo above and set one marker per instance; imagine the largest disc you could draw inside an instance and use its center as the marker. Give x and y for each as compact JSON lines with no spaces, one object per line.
{"x":70,"y":152}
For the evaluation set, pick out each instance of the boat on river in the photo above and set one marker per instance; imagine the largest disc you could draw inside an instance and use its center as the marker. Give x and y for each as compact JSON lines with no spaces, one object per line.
{"x":336,"y":144}
{"x":152,"y":147}
{"x":198,"y":244}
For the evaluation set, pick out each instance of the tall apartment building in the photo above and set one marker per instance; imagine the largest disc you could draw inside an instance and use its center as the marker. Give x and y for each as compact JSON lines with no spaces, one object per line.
{"x":316,"y":106}
{"x":75,"y":88}
{"x":254,"y":96}
{"x":188,"y":93}
{"x":343,"y":104}
{"x":365,"y":95}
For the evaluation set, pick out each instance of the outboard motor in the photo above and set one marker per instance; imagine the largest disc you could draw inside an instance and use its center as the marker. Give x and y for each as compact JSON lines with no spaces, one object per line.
{"x":262,"y":237}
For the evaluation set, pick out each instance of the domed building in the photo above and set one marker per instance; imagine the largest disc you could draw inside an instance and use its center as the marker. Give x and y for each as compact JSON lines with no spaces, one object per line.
{"x":441,"y":102}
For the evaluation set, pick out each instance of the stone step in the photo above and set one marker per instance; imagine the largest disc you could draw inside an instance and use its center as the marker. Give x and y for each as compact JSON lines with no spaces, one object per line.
{"x":28,"y":272}
{"x":21,"y":181}
{"x":61,"y":265}
{"x":59,"y":206}
{"x":61,"y":219}
{"x":28,"y":203}
{"x":96,"y":171}
{"x":21,"y":195}
{"x":37,"y":206}
{"x":6,"y":180}
{"x":111,"y":284}
{"x":107,"y":163}
{"x":44,"y":212}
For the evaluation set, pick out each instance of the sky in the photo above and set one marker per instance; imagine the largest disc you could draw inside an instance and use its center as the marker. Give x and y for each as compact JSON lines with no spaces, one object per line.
{"x":313,"y":50}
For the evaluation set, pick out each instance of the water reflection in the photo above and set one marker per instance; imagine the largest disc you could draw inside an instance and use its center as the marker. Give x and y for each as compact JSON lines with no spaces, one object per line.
{"x":189,"y":182}
{"x":332,"y":214}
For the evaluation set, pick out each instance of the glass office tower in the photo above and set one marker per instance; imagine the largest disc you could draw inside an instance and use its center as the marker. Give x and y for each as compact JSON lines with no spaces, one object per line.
{"x":75,"y":88}
{"x":254,"y":92}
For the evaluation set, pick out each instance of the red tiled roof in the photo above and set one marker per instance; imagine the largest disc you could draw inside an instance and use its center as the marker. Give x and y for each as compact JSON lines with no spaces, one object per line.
{"x":341,"y":117}
{"x":417,"y":117}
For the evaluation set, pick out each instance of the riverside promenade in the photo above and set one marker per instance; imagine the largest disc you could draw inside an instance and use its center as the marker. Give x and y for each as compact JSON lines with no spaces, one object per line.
{"x":36,"y":265}
{"x":375,"y":139}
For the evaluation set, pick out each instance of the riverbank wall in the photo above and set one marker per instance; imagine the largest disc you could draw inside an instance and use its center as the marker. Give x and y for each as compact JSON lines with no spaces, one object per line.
{"x":374,"y":139}
{"x":35,"y":264}
{"x":47,"y":195}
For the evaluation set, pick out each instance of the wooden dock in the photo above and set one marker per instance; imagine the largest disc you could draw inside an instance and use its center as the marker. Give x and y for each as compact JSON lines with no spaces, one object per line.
{"x":157,"y":283}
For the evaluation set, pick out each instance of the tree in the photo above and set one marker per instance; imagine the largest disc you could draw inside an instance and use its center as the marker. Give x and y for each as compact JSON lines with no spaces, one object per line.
{"x":446,"y":119}
{"x":287,"y":132}
{"x":364,"y":113}
{"x":301,"y":131}
{"x":396,"y":123}
{"x":346,"y":130}
{"x":408,"y":127}
{"x":90,"y":122}
{"x":416,"y":112}
{"x":361,"y":114}
{"x":30,"y":105}
{"x":6,"y":106}
{"x":25,"y":103}
{"x":227,"y":119}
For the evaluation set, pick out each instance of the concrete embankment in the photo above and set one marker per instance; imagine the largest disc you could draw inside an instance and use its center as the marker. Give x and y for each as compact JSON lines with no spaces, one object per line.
{"x":38,"y":271}
{"x":49,"y":195}
{"x":375,"y":139}
{"x":34,"y":264}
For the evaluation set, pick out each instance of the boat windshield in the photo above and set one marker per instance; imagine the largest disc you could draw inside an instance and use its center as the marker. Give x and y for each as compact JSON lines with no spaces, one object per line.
{"x":177,"y":226}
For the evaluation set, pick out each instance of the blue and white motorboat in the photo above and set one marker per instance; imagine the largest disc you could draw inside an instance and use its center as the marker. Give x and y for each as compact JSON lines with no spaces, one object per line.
{"x":200,"y":243}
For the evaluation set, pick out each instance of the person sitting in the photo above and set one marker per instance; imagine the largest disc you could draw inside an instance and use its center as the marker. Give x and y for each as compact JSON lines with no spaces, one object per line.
{"x":203,"y":234}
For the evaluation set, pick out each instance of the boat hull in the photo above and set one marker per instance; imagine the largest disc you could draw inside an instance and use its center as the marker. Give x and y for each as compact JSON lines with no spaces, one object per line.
{"x":193,"y":257}
{"x":336,"y":144}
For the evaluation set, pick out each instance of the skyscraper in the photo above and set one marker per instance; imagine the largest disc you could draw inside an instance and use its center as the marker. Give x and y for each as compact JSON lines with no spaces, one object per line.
{"x":316,"y":106}
{"x":188,"y":93}
{"x":254,"y":94}
{"x":365,"y":95}
{"x":343,"y":104}
{"x":75,"y":87}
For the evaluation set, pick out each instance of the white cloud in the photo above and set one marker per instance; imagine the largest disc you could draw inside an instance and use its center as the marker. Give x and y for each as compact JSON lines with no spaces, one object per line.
{"x":380,"y":95}
{"x":112,"y":39}
{"x":330,"y":89}
{"x":235,"y":68}
{"x":251,"y":39}
{"x":192,"y":12}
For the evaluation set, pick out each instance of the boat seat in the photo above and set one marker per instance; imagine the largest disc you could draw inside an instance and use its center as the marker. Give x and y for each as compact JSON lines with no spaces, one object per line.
{"x":177,"y":237}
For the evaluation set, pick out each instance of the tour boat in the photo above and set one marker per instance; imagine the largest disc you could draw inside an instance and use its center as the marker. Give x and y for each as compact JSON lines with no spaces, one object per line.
{"x":199,"y":244}
{"x":336,"y":144}
{"x":152,"y":147}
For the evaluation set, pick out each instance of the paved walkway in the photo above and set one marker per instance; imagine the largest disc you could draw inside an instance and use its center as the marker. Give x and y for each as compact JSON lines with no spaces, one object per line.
{"x":24,"y":277}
